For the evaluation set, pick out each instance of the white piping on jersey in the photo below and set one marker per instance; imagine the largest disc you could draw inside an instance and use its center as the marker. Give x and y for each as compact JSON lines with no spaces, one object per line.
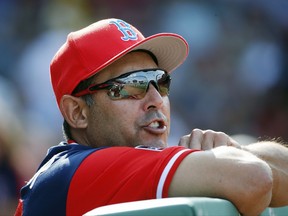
{"x":165,"y":172}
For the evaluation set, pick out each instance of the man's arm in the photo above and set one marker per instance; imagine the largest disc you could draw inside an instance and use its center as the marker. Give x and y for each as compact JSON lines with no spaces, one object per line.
{"x":276,"y":155}
{"x":225,"y":172}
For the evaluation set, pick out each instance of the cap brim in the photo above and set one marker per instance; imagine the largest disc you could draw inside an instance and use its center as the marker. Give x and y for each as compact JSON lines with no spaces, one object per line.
{"x":170,"y":49}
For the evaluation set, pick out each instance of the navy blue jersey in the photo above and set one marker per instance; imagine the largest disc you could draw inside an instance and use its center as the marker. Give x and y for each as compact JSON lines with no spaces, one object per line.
{"x":47,"y":190}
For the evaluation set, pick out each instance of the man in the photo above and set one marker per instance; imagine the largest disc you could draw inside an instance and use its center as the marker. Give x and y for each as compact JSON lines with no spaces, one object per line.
{"x":111,"y":85}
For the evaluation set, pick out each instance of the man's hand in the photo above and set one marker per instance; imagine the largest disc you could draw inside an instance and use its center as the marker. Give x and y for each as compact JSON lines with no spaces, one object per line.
{"x":207,"y":139}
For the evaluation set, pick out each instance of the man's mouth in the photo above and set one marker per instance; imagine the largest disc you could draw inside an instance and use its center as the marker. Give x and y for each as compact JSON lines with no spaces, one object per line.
{"x":156,"y":127}
{"x":156,"y":124}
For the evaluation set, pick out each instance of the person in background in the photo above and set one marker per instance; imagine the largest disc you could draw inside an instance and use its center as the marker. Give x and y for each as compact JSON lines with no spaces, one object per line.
{"x":112,"y":88}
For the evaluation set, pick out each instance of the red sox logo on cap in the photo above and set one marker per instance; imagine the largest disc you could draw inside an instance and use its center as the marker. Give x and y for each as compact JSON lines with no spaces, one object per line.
{"x":126,"y":30}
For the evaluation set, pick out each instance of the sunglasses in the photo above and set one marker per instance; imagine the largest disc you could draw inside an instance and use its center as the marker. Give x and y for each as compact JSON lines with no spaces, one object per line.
{"x":133,"y":84}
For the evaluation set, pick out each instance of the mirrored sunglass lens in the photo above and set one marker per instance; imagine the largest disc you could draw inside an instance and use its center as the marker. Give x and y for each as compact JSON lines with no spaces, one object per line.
{"x":135,"y":86}
{"x":135,"y":89}
{"x":163,"y":81}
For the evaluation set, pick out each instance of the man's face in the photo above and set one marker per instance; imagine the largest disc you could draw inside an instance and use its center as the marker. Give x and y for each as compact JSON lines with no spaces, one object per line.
{"x":128,"y":122}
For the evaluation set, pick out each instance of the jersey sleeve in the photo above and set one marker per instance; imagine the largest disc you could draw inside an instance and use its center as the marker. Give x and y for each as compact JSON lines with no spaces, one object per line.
{"x":122,"y":174}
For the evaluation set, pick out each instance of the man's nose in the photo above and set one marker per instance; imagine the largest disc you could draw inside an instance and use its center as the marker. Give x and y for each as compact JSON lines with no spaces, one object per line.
{"x":153,"y":97}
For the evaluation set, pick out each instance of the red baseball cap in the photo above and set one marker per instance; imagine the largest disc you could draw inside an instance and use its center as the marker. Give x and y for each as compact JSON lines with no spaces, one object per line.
{"x":89,"y":50}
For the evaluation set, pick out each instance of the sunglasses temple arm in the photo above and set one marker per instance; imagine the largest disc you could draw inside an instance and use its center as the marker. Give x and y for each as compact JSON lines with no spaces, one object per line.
{"x":81,"y":93}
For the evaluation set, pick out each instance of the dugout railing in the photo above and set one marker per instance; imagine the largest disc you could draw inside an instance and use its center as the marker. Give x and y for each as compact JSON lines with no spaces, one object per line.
{"x":192,"y":206}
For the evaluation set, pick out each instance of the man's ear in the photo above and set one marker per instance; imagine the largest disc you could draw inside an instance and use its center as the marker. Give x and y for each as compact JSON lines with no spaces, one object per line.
{"x":75,"y":111}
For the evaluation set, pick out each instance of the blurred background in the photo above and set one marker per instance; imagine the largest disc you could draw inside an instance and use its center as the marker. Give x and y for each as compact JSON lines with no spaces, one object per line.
{"x":235,"y":79}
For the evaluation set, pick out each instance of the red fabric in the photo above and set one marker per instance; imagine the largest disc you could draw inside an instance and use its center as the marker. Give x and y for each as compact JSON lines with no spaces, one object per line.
{"x":19,"y":209}
{"x":171,"y":173}
{"x":120,"y":174}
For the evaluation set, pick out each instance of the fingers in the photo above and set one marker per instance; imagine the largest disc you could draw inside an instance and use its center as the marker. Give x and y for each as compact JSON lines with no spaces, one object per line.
{"x":196,"y":139}
{"x":193,"y":140}
{"x":234,"y":143}
{"x":184,"y":141}
{"x":207,"y":139}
